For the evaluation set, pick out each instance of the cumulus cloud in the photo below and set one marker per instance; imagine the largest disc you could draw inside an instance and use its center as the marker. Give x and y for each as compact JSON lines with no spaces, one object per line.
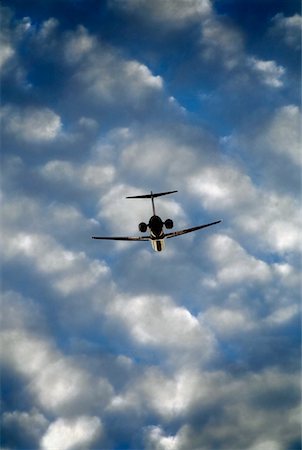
{"x":283,"y":314}
{"x":268,"y":72}
{"x":29,"y":426}
{"x":112,"y":79}
{"x":156,"y":439}
{"x":234,"y":264}
{"x":32,"y":125}
{"x":229,"y":321}
{"x":6,"y":39}
{"x":262,"y":212}
{"x":278,"y":234}
{"x":176,"y":159}
{"x":281,"y":134}
{"x":221,"y":42}
{"x":78,"y":44}
{"x":109,"y":346}
{"x":241,"y":398}
{"x":90,"y":176}
{"x":168,"y":397}
{"x":48,"y":29}
{"x":53,"y":260}
{"x":218,"y":185}
{"x":155,"y":321}
{"x":57,"y":383}
{"x":72,"y":434}
{"x":30,"y":216}
{"x":273,"y":143}
{"x":6,"y":53}
{"x":13,"y":34}
{"x":101,"y":74}
{"x":169,"y":12}
{"x":288,"y":28}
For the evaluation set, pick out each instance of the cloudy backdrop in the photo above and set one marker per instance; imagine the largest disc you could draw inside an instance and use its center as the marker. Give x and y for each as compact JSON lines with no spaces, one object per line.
{"x":110,"y":345}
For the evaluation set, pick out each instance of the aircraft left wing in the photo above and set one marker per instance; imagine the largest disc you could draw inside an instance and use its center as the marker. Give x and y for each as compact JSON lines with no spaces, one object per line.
{"x":189,"y":230}
{"x":122,"y":238}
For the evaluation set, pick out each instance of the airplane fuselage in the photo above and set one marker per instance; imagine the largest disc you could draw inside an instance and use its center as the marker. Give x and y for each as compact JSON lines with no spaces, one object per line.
{"x":157,"y":234}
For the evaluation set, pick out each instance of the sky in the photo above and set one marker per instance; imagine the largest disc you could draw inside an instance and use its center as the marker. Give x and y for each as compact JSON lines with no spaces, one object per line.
{"x":110,"y":345}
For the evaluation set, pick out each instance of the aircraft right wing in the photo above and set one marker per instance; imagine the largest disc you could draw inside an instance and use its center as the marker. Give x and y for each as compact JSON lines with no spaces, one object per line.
{"x":189,"y":230}
{"x":122,"y":238}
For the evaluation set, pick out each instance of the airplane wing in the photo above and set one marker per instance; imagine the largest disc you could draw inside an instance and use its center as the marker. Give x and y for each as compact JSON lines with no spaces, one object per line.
{"x":122,"y":238}
{"x":189,"y":230}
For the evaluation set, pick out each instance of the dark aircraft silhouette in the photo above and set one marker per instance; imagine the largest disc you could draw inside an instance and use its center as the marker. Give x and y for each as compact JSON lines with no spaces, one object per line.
{"x":156,"y":226}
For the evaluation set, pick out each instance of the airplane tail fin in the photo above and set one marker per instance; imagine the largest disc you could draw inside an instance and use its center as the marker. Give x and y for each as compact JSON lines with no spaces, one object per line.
{"x":152,"y":195}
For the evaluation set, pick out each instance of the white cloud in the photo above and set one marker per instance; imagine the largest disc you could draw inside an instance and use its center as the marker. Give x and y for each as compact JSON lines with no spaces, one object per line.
{"x":168,"y":397}
{"x":48,"y":29}
{"x":271,"y":148}
{"x":172,"y":12}
{"x":142,"y":76}
{"x":282,"y":315}
{"x":266,"y":445}
{"x":268,"y":72}
{"x":7,"y":50}
{"x":176,"y":158}
{"x":58,"y":170}
{"x":171,"y":318}
{"x":91,"y":175}
{"x":18,"y":311}
{"x":222,"y":187}
{"x":277,"y":222}
{"x":231,"y":411}
{"x":78,"y":44}
{"x":157,"y":321}
{"x":281,"y":135}
{"x":156,"y":440}
{"x":288,"y":274}
{"x":273,"y":219}
{"x":107,"y":77}
{"x":227,"y":321}
{"x":58,"y":383}
{"x":31,"y":124}
{"x":88,"y":123}
{"x":71,"y":272}
{"x":221,"y":42}
{"x":288,"y":28}
{"x":72,"y":434}
{"x":6,"y":53}
{"x":23,"y":215}
{"x":234,"y":264}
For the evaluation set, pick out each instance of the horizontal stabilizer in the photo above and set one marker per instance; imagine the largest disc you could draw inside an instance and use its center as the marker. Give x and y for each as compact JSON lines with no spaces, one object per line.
{"x":151,"y":195}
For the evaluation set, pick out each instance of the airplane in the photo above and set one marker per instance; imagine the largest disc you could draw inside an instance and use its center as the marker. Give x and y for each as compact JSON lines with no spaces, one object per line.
{"x":156,"y":226}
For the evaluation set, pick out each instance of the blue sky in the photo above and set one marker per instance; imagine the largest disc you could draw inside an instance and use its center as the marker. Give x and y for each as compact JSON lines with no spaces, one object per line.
{"x":110,"y":345}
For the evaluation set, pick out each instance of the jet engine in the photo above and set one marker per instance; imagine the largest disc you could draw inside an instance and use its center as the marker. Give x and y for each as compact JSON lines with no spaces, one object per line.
{"x":142,"y":227}
{"x":169,"y":224}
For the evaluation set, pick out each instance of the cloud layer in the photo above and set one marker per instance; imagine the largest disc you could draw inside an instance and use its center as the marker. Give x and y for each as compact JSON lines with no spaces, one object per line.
{"x":109,"y":345}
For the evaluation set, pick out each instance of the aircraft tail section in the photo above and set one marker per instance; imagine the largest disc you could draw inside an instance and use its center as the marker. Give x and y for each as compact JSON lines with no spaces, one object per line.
{"x":152,"y":195}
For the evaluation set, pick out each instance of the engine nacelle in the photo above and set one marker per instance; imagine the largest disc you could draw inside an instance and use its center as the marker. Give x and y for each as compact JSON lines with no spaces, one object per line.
{"x":142,"y":227}
{"x":169,"y":224}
